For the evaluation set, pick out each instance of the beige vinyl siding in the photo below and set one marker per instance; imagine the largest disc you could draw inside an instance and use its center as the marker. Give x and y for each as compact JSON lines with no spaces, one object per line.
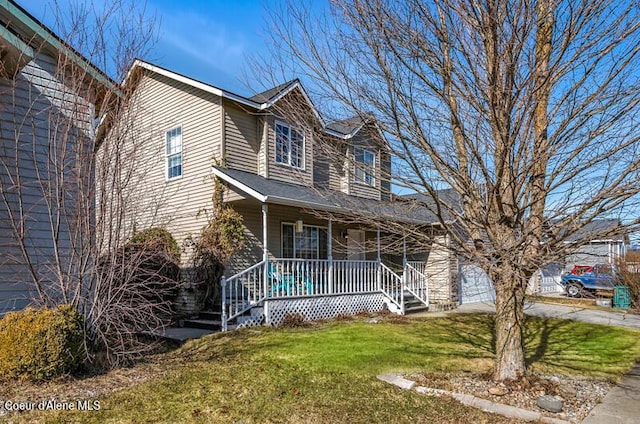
{"x":329,"y":164}
{"x":38,"y":114}
{"x":263,"y":153}
{"x":358,"y":188}
{"x":180,"y":204}
{"x":277,"y":215}
{"x":439,"y":270}
{"x":241,"y":139}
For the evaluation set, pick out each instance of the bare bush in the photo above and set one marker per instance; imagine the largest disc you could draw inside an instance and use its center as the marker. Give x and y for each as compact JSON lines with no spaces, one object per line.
{"x":64,"y":182}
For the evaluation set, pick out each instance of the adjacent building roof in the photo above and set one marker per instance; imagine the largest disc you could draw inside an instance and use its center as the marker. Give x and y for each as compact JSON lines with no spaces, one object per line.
{"x":598,"y":230}
{"x":601,"y":230}
{"x":20,"y":30}
{"x":277,"y":192}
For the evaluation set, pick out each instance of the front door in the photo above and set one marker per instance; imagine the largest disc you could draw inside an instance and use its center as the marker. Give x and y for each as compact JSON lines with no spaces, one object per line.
{"x":355,"y":245}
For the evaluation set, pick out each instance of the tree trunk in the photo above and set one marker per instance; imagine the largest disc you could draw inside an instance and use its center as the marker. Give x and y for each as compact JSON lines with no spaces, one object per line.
{"x":510,"y":363}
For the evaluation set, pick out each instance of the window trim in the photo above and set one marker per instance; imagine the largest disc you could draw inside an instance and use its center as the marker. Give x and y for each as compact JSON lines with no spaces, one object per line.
{"x":275,"y":145}
{"x":293,"y":224}
{"x":167,"y":155}
{"x":361,"y":166}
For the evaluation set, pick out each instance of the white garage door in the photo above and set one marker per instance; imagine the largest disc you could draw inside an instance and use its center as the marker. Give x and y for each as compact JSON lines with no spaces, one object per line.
{"x":475,"y":285}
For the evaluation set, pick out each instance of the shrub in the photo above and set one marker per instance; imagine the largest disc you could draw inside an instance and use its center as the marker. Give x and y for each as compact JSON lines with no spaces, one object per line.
{"x":39,"y":344}
{"x":222,"y":237}
{"x":293,"y":321}
{"x":631,"y":279}
{"x":155,"y":239}
{"x":135,"y":294}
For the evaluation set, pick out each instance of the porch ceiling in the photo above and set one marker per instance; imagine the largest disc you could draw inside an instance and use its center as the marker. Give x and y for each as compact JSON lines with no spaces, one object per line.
{"x":278,"y":192}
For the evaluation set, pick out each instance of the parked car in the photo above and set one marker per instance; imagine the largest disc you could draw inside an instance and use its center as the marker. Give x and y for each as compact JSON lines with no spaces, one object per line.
{"x":600,"y":277}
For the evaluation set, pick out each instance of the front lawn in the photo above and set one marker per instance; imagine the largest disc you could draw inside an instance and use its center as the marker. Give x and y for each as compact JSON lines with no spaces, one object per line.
{"x":327,"y":373}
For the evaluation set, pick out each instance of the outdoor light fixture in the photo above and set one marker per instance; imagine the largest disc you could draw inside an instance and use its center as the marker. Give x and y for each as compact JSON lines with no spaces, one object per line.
{"x":299,"y":225}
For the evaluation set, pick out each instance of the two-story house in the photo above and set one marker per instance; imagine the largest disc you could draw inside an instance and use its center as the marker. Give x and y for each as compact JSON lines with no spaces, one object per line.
{"x":48,"y":93}
{"x":290,"y":178}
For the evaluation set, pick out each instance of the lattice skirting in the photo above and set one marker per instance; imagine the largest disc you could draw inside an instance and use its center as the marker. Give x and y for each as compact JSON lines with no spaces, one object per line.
{"x":316,"y":308}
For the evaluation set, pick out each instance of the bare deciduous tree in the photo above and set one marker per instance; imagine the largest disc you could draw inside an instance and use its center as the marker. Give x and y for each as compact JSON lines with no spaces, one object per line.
{"x":64,"y":202}
{"x":525,"y":110}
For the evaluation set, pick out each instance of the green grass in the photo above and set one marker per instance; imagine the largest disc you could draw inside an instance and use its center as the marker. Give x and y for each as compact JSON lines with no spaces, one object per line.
{"x":327,"y":373}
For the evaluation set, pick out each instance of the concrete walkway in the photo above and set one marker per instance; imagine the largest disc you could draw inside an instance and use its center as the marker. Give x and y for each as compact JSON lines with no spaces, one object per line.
{"x":622,"y":404}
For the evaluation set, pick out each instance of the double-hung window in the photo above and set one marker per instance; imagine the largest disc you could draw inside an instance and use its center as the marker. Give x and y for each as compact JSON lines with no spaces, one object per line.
{"x":365,"y":166}
{"x":311,"y":243}
{"x":174,"y":152}
{"x":289,"y":146}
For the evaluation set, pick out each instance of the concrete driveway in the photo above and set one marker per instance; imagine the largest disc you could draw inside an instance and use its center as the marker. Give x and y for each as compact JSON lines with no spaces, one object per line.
{"x":547,"y":310}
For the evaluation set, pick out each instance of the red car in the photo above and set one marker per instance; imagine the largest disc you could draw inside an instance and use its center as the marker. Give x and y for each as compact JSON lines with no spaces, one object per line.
{"x":581,"y":269}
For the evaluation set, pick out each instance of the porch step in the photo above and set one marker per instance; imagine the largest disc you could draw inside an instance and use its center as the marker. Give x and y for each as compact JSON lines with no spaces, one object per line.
{"x":181,"y":334}
{"x":412,"y":304}
{"x":210,"y":315}
{"x":203,"y":324}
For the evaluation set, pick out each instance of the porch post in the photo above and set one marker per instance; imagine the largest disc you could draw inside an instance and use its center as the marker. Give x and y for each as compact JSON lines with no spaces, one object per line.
{"x":404,"y":271}
{"x":404,"y":252}
{"x":378,"y":267}
{"x":330,"y":255}
{"x":265,"y":258}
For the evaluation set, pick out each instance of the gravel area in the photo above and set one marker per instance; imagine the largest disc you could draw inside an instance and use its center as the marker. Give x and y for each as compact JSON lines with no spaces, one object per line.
{"x":580,"y":395}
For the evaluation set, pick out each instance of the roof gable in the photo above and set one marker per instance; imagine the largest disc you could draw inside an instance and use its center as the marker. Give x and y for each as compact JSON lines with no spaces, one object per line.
{"x":267,"y":99}
{"x":22,"y":33}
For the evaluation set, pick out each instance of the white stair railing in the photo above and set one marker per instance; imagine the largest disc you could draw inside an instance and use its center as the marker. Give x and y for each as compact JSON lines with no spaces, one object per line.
{"x":390,"y":284}
{"x":416,"y":283}
{"x":242,"y":292}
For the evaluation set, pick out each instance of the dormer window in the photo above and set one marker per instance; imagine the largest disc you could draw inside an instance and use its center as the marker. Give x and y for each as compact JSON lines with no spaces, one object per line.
{"x":365,"y":166}
{"x":289,"y":146}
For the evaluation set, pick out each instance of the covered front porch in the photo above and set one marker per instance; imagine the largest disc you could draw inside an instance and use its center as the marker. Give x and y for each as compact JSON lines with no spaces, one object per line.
{"x":297,"y":261}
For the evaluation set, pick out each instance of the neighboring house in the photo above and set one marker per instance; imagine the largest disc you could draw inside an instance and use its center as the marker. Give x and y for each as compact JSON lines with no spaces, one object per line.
{"x":46,"y":111}
{"x":476,"y":286}
{"x":297,"y":258}
{"x":600,"y":249}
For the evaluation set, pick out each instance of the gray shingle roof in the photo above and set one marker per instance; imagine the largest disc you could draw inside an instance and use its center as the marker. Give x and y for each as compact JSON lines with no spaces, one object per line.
{"x":269,"y":94}
{"x":346,"y":126}
{"x":600,"y":229}
{"x":280,"y":192}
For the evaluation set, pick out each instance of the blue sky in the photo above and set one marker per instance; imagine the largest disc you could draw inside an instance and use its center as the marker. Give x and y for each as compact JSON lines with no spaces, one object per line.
{"x":209,"y":40}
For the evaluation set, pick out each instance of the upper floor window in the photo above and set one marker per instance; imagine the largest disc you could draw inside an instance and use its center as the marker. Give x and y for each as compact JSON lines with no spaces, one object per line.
{"x":365,"y":166}
{"x":174,"y":152}
{"x":289,"y":146}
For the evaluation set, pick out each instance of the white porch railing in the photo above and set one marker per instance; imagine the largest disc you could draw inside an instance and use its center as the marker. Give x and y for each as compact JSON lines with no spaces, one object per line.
{"x":416,"y":283}
{"x":314,"y":277}
{"x":420,"y":266}
{"x":285,"y":278}
{"x":242,"y":292}
{"x":355,"y":276}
